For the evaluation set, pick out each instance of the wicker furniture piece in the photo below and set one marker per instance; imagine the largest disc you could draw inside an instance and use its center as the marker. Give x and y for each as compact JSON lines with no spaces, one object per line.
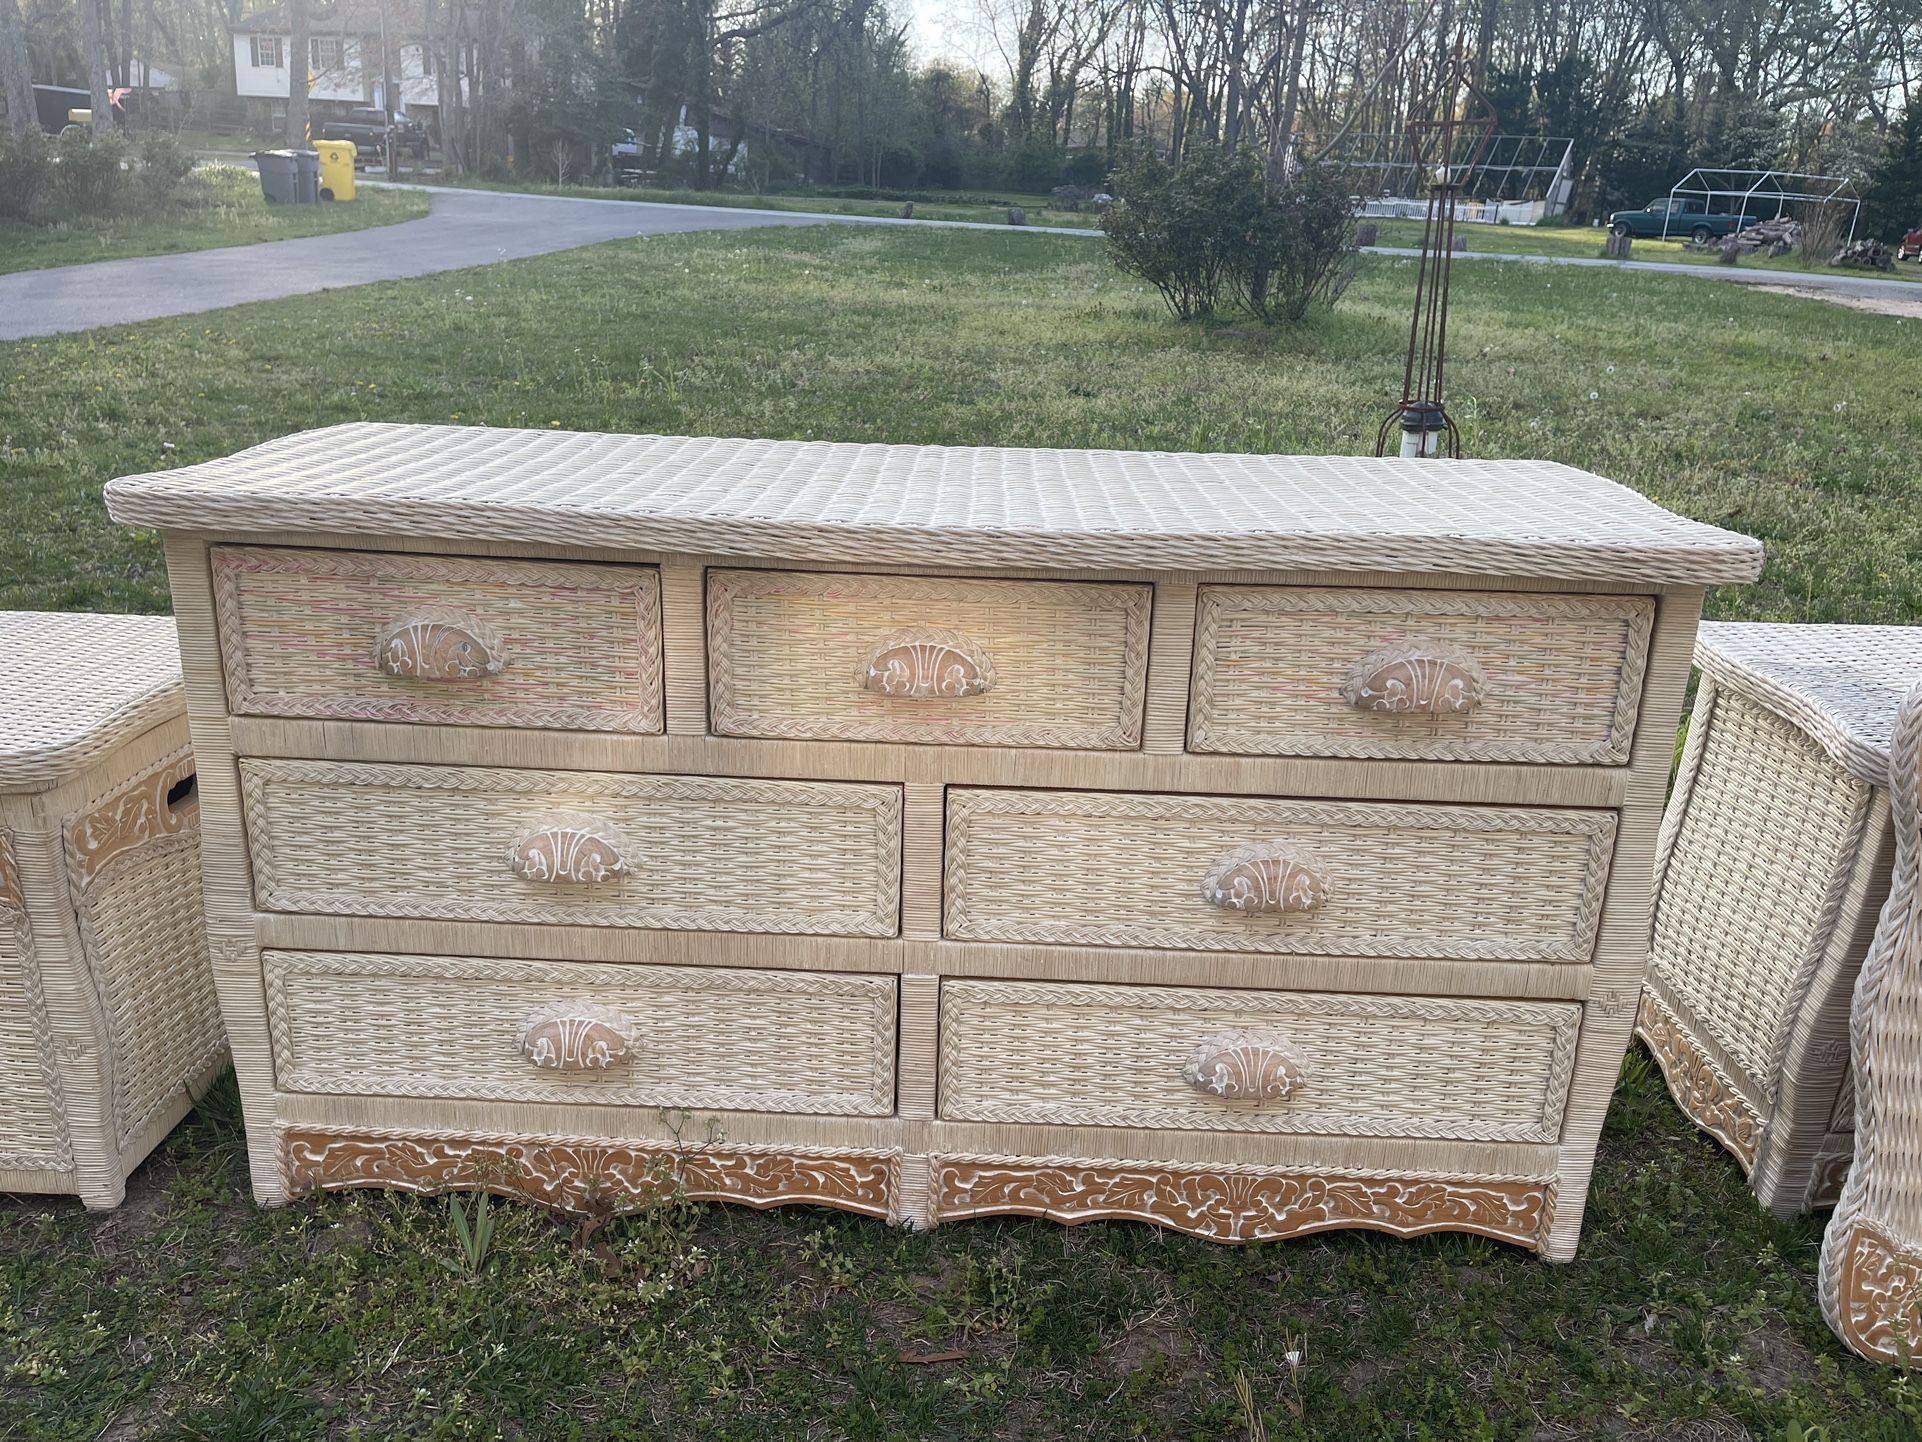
{"x":108,"y":1021}
{"x":1772,"y":866}
{"x":1250,"y":845}
{"x":1871,"y":1277}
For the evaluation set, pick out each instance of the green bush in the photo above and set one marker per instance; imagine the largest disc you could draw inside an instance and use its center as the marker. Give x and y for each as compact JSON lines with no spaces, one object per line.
{"x":26,"y":173}
{"x":164,"y":164}
{"x":89,"y":173}
{"x":1209,"y":231}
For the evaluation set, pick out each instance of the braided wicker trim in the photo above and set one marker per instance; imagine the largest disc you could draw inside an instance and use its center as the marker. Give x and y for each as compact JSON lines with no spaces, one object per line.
{"x":1701,"y":1088}
{"x":932,"y":505}
{"x":575,"y":1174}
{"x":1637,"y":615}
{"x":968,"y":1008}
{"x":633,"y":587}
{"x":18,"y":939}
{"x":490,"y":899}
{"x":1242,"y":1203}
{"x":1122,"y":731}
{"x":617,"y":988}
{"x":965,"y":922}
{"x":79,"y":685}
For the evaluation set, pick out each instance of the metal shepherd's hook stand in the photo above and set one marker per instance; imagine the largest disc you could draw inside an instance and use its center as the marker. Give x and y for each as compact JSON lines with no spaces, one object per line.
{"x":1436,"y":131}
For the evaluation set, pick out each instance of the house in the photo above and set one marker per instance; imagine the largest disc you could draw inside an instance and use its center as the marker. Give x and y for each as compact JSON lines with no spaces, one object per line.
{"x":359,"y":52}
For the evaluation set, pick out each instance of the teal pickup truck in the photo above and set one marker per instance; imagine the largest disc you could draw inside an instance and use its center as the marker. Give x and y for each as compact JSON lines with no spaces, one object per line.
{"x":1678,"y":217}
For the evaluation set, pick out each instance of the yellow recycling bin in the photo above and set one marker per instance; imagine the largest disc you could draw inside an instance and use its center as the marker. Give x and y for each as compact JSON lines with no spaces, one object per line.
{"x":336,"y":169}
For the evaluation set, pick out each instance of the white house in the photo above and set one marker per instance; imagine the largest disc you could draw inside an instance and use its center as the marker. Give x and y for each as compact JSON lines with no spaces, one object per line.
{"x":346,"y":46}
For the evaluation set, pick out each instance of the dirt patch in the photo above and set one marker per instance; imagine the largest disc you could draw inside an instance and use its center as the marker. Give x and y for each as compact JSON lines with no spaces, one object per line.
{"x":1149,"y":1340}
{"x":1901,"y":305}
{"x":1776,"y":1360}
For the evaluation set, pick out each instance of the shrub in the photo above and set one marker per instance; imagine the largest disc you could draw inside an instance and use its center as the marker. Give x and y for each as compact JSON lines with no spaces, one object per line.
{"x":164,"y":164}
{"x":88,"y":173}
{"x":1210,"y":231}
{"x":26,"y":173}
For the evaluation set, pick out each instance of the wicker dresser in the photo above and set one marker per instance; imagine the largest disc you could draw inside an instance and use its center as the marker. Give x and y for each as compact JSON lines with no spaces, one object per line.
{"x":1251,"y":845}
{"x":1772,"y":867}
{"x":108,"y":1023}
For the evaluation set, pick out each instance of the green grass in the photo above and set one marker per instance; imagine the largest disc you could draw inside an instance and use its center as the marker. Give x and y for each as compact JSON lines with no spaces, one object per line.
{"x":220,"y":206}
{"x":1689,"y":1314}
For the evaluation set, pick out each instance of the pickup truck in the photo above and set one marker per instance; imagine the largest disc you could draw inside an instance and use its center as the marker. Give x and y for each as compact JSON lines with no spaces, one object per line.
{"x":1678,"y":217}
{"x":367,"y":126}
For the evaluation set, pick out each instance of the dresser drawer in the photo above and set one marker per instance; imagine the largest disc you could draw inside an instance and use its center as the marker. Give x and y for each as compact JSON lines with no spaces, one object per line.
{"x":657,"y":1036}
{"x":463,"y":641}
{"x":467,"y":843}
{"x":939,"y":660}
{"x":1251,"y":874}
{"x":1437,"y":675}
{"x":1257,"y":1061}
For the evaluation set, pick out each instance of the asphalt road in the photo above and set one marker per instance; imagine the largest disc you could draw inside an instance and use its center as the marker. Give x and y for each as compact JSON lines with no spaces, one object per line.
{"x":477,"y":227}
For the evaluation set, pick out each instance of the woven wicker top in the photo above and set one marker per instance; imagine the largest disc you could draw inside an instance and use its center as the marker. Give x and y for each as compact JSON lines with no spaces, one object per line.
{"x":77,"y":685}
{"x":1841,"y":685}
{"x":937,"y":505}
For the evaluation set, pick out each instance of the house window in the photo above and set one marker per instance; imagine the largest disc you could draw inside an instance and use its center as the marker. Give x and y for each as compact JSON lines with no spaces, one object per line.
{"x":426,"y":61}
{"x":268,"y":54}
{"x":323,"y":54}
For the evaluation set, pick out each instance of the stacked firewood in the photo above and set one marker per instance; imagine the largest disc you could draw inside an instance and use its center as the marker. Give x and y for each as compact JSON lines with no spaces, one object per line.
{"x":1865,"y":255}
{"x":1768,"y":237}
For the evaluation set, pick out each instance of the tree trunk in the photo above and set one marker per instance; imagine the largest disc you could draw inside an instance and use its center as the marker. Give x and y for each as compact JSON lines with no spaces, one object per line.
{"x":16,"y":80}
{"x":92,"y":36}
{"x":298,"y":59}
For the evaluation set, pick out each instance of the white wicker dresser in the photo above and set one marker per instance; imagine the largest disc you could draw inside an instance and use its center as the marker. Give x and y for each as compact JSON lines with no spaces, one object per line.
{"x":1772,"y":867}
{"x":1250,"y":845}
{"x":108,"y":1022}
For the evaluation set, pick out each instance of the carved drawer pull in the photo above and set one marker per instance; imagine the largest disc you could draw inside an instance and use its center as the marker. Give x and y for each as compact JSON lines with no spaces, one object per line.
{"x":1421,"y":678}
{"x":576,"y":1036}
{"x":1243,"y":1066}
{"x":440,"y":643}
{"x":1271,"y":876}
{"x":569,"y":847}
{"x":925,"y":664}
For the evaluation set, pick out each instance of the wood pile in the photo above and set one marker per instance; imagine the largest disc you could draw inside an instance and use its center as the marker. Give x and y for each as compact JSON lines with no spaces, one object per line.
{"x":1865,"y":255}
{"x":1769,"y":237}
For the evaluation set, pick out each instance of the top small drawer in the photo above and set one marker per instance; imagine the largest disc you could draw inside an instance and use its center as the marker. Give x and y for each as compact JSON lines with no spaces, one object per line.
{"x":1428,"y":675}
{"x":942,"y":660}
{"x":457,"y":640}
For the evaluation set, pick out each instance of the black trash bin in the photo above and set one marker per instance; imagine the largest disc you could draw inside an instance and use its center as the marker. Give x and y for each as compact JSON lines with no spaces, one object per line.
{"x":280,"y":176}
{"x":307,"y":169}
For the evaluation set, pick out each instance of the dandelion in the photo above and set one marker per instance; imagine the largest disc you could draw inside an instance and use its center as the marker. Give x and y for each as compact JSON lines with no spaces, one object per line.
{"x":555,"y":425}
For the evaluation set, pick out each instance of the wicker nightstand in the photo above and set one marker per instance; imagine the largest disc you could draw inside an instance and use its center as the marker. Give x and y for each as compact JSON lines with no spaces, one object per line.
{"x":108,"y":1022}
{"x":1772,"y":867}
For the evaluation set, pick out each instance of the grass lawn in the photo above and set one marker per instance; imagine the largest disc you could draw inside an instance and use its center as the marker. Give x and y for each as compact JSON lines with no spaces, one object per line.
{"x":1689,"y":1315}
{"x":220,"y":206}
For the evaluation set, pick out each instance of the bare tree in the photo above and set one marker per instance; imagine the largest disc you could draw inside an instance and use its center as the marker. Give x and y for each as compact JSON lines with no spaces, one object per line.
{"x":16,"y":80}
{"x":299,"y":42}
{"x":94,"y":39}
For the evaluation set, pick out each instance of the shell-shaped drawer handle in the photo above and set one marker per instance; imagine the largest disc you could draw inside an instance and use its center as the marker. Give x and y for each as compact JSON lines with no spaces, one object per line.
{"x":925,"y":664}
{"x":576,"y":1036}
{"x":1243,"y":1066}
{"x":439,"y":643}
{"x":569,"y":847}
{"x":1270,"y":876}
{"x":1421,"y":678}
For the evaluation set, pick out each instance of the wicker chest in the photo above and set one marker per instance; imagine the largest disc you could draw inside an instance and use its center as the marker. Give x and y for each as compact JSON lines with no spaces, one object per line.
{"x":1772,"y":868}
{"x":108,"y":1023}
{"x":1248,"y":845}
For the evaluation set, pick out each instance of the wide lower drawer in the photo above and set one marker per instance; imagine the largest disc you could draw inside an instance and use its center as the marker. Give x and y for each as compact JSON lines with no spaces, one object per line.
{"x":928,"y":659}
{"x":460,"y":640}
{"x":1152,"y":1056}
{"x":1250,"y":874}
{"x":667,"y":1036}
{"x":1436,"y":675}
{"x":467,"y":843}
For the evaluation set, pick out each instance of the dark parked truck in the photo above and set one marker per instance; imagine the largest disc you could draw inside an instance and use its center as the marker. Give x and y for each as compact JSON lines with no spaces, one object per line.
{"x":368,"y":126}
{"x":1678,"y":217}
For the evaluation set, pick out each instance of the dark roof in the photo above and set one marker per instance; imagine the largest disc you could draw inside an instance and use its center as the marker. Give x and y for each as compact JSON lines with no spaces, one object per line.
{"x":346,"y":17}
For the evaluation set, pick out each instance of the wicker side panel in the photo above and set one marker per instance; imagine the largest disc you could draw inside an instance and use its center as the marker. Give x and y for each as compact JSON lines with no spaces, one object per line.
{"x":1564,"y":673}
{"x":1754,"y":883}
{"x":581,"y":643}
{"x":704,"y":853}
{"x":1104,"y":869}
{"x":33,"y":1116}
{"x":1069,"y":658}
{"x":1368,"y":1065}
{"x":1242,"y":1204}
{"x":721,"y":1038}
{"x":134,"y":865}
